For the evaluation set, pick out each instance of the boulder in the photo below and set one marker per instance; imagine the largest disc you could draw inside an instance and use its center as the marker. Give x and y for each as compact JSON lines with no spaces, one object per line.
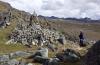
{"x":43,"y":52}
{"x":68,"y":56}
{"x":62,"y":40}
{"x":40,"y":56}
{"x":93,"y":55}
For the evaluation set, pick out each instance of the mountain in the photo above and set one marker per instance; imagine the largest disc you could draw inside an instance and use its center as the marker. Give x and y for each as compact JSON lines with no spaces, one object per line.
{"x":74,"y":20}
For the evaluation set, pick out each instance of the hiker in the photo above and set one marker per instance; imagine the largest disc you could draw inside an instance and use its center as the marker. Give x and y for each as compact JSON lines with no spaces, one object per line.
{"x":81,"y":38}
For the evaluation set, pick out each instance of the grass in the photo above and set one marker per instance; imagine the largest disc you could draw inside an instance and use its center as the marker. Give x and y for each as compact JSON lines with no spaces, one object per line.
{"x":5,"y":32}
{"x":3,"y":8}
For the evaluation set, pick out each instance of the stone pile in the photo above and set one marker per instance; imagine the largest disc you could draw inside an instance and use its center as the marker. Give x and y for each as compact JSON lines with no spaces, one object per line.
{"x":19,"y":54}
{"x":34,"y":34}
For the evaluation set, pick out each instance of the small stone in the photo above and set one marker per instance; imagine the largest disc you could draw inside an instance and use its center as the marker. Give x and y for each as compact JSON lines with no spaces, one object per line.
{"x":52,"y":61}
{"x":29,"y":64}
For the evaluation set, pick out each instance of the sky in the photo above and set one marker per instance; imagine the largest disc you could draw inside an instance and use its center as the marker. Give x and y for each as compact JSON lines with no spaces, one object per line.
{"x":60,"y":8}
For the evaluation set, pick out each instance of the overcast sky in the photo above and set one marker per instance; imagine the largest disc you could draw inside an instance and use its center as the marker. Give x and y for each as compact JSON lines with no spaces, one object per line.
{"x":60,"y":8}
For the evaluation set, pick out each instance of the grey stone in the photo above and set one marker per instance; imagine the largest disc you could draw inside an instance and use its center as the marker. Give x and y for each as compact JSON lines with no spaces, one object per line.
{"x":51,"y":47}
{"x":4,"y":58}
{"x":13,"y":62}
{"x":43,"y":52}
{"x":22,"y":63}
{"x":5,"y":19}
{"x":40,"y":59}
{"x":26,"y":34}
{"x":69,"y":56}
{"x":29,"y":64}
{"x":52,"y":61}
{"x":62,"y":39}
{"x":19,"y":54}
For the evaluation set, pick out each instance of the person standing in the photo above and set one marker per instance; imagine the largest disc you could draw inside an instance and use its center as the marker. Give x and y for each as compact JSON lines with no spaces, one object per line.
{"x":81,"y":39}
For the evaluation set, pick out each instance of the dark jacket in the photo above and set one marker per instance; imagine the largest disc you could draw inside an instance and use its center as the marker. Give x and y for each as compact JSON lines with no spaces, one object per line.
{"x":81,"y":36}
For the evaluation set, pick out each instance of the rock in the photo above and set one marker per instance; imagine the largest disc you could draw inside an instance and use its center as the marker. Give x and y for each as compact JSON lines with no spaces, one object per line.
{"x":43,"y":52}
{"x":10,"y":41}
{"x":41,"y":55}
{"x":19,"y":54}
{"x":8,"y":24}
{"x":29,"y":64}
{"x":51,"y":47}
{"x":13,"y":62}
{"x":62,"y":39}
{"x":35,"y":42}
{"x":4,"y":19}
{"x":69,"y":56}
{"x":4,"y":58}
{"x":93,"y":55}
{"x":33,"y":35}
{"x":40,"y":59}
{"x":60,"y":56}
{"x":22,"y":63}
{"x":52,"y":61}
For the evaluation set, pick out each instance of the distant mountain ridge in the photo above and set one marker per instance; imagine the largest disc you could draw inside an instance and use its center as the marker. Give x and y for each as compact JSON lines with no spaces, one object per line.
{"x":81,"y":20}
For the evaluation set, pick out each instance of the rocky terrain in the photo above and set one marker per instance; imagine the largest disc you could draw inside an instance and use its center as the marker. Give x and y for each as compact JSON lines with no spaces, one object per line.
{"x":28,"y":39}
{"x":92,"y":57}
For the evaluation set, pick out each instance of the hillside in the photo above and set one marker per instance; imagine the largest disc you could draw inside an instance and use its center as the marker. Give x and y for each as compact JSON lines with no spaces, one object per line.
{"x":51,"y":29}
{"x":4,"y":7}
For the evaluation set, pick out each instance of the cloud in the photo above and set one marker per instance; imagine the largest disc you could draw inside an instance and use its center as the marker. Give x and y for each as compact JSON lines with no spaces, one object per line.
{"x":60,"y":8}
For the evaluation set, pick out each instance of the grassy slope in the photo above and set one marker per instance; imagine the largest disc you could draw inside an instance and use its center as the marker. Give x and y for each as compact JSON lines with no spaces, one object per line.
{"x":92,"y":31}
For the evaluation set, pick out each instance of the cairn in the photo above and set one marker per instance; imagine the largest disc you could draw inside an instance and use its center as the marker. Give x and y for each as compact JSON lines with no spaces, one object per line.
{"x":30,"y":33}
